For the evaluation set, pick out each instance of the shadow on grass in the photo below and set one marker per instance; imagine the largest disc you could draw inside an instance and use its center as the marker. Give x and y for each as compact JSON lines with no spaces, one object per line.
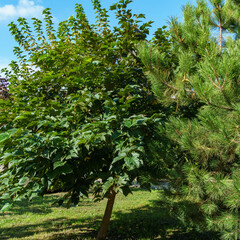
{"x":37,"y":205}
{"x":156,"y":222}
{"x":55,"y":229}
{"x":147,"y":222}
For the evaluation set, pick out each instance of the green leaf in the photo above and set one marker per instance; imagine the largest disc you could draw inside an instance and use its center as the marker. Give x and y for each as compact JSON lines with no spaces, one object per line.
{"x":133,"y":162}
{"x":12,"y":131}
{"x":3,"y":137}
{"x":141,"y":15}
{"x":113,"y":7}
{"x":60,"y":170}
{"x":116,"y":134}
{"x":126,"y":190}
{"x":6,"y":207}
{"x":116,"y":159}
{"x":106,"y":186}
{"x":23,"y":180}
{"x":128,"y":124}
{"x":58,"y":164}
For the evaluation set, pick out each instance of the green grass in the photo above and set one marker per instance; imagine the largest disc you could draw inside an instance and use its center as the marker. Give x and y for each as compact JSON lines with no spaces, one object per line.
{"x":138,"y":216}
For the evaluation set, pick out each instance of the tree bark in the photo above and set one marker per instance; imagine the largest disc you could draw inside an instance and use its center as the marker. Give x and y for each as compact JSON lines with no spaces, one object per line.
{"x":221,"y":33}
{"x":221,"y":37}
{"x":102,"y":233}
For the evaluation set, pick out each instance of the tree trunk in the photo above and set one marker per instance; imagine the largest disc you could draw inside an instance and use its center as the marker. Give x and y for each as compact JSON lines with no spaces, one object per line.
{"x":221,"y":33}
{"x":221,"y":37}
{"x":102,"y":233}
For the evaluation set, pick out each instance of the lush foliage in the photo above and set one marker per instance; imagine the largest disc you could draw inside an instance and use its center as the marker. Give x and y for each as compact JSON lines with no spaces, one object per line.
{"x":81,"y":108}
{"x":201,"y":69}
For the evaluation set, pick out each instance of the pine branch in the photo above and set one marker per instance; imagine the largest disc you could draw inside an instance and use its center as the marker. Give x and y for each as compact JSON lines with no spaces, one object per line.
{"x":164,"y":82}
{"x":219,"y":86}
{"x":218,"y":106}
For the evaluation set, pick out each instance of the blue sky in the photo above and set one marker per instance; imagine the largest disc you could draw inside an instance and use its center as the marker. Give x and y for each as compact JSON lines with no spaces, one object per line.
{"x":158,"y":11}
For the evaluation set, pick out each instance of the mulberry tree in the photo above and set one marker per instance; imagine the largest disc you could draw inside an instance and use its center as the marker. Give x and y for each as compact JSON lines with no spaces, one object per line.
{"x":81,"y":108}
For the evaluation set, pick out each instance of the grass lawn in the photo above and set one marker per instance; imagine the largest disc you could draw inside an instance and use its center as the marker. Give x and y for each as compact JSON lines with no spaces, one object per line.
{"x":138,"y":216}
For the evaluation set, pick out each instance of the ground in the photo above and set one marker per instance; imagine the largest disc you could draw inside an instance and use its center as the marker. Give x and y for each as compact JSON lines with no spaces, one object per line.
{"x":138,"y":216}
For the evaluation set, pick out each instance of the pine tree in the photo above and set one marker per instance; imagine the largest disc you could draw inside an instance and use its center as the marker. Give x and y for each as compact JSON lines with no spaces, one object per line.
{"x":202,"y":66}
